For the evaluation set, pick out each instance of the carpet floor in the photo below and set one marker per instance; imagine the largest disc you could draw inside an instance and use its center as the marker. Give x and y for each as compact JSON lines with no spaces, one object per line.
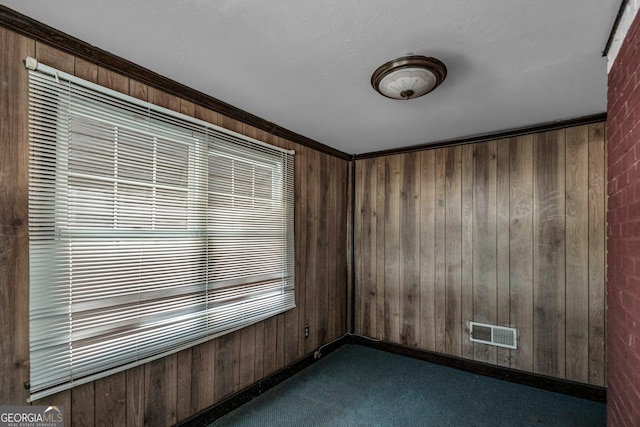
{"x":360,"y":386}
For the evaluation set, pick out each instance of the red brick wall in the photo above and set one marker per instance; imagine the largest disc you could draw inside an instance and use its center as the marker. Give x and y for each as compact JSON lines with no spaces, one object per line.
{"x":623,"y":217}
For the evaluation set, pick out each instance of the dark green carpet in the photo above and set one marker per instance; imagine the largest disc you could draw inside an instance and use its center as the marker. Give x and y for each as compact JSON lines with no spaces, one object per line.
{"x":360,"y":386}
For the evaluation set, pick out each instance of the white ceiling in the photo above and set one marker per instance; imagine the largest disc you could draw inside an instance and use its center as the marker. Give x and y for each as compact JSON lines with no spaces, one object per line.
{"x":306,"y":66}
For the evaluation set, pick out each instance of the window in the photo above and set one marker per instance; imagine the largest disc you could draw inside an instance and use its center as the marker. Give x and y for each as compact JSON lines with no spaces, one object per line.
{"x":149,"y":231}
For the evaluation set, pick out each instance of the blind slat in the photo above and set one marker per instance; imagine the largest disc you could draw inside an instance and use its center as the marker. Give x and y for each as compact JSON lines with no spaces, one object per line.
{"x":148,"y":231}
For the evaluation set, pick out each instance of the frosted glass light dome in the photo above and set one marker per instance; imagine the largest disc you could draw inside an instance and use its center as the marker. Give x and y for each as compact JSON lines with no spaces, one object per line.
{"x":408,"y":77}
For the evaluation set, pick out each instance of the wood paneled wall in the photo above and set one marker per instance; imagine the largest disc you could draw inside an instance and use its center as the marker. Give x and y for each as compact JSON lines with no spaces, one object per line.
{"x":508,"y":232}
{"x":171,"y":389}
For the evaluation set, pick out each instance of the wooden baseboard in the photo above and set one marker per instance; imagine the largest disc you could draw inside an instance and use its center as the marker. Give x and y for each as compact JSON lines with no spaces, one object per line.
{"x":571,"y":388}
{"x":209,"y":415}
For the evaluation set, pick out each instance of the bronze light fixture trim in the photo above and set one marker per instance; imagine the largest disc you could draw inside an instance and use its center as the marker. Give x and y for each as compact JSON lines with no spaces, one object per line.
{"x":408,"y":77}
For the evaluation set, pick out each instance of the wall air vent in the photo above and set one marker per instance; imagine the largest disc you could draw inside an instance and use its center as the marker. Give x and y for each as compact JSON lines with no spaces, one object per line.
{"x":493,"y":335}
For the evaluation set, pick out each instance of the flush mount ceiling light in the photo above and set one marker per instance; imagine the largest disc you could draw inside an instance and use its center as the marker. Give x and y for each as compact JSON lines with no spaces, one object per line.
{"x":408,"y":77}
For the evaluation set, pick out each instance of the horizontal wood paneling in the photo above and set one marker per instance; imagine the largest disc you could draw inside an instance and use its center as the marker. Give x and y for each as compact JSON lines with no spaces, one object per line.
{"x":173,"y":388}
{"x":508,"y":232}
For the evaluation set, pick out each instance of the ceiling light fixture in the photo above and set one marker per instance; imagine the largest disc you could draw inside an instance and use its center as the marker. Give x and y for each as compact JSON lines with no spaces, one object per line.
{"x":408,"y":77}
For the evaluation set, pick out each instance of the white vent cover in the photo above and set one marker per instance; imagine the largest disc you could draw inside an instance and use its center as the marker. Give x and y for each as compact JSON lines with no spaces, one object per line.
{"x":493,"y":335}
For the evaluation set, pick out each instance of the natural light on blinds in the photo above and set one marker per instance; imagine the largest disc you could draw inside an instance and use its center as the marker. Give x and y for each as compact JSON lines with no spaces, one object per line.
{"x":149,"y":231}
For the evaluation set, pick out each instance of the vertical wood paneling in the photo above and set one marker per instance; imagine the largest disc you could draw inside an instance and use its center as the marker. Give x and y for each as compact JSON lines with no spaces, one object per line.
{"x":83,"y":405}
{"x":320,"y":323}
{"x":62,"y":399}
{"x":484,"y":243}
{"x":110,"y":400}
{"x":227,"y":364}
{"x":577,"y":254}
{"x":502,"y":227}
{"x":410,"y":250}
{"x":203,"y":376}
{"x":140,"y":91}
{"x":118,"y":82}
{"x":348,"y":266}
{"x":154,"y":95}
{"x":230,"y":124}
{"x":332,"y":257}
{"x":344,"y":273}
{"x":521,"y":248}
{"x":312,"y":254}
{"x":204,"y":114}
{"x":301,"y":230}
{"x":440,"y":257}
{"x":340,"y":272}
{"x":345,"y":234}
{"x":365,"y":241}
{"x":466,"y":248}
{"x":427,"y":250}
{"x":187,"y":108}
{"x":258,"y":366}
{"x":135,"y":396}
{"x":247,"y":356}
{"x":270,"y":342}
{"x":14,"y":248}
{"x":160,"y":388}
{"x":54,"y":58}
{"x":184,"y":384}
{"x":380,"y":247}
{"x":502,"y":249}
{"x":453,"y":237}
{"x":597,"y":252}
{"x":548,"y":253}
{"x":86,"y":70}
{"x":392,"y":249}
{"x":280,"y":341}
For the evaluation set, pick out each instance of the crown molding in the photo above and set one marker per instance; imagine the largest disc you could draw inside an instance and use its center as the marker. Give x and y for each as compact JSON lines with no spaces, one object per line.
{"x":585,"y":120}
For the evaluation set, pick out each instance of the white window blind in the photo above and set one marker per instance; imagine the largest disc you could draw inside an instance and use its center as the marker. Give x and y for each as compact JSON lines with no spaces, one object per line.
{"x":149,"y":231}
